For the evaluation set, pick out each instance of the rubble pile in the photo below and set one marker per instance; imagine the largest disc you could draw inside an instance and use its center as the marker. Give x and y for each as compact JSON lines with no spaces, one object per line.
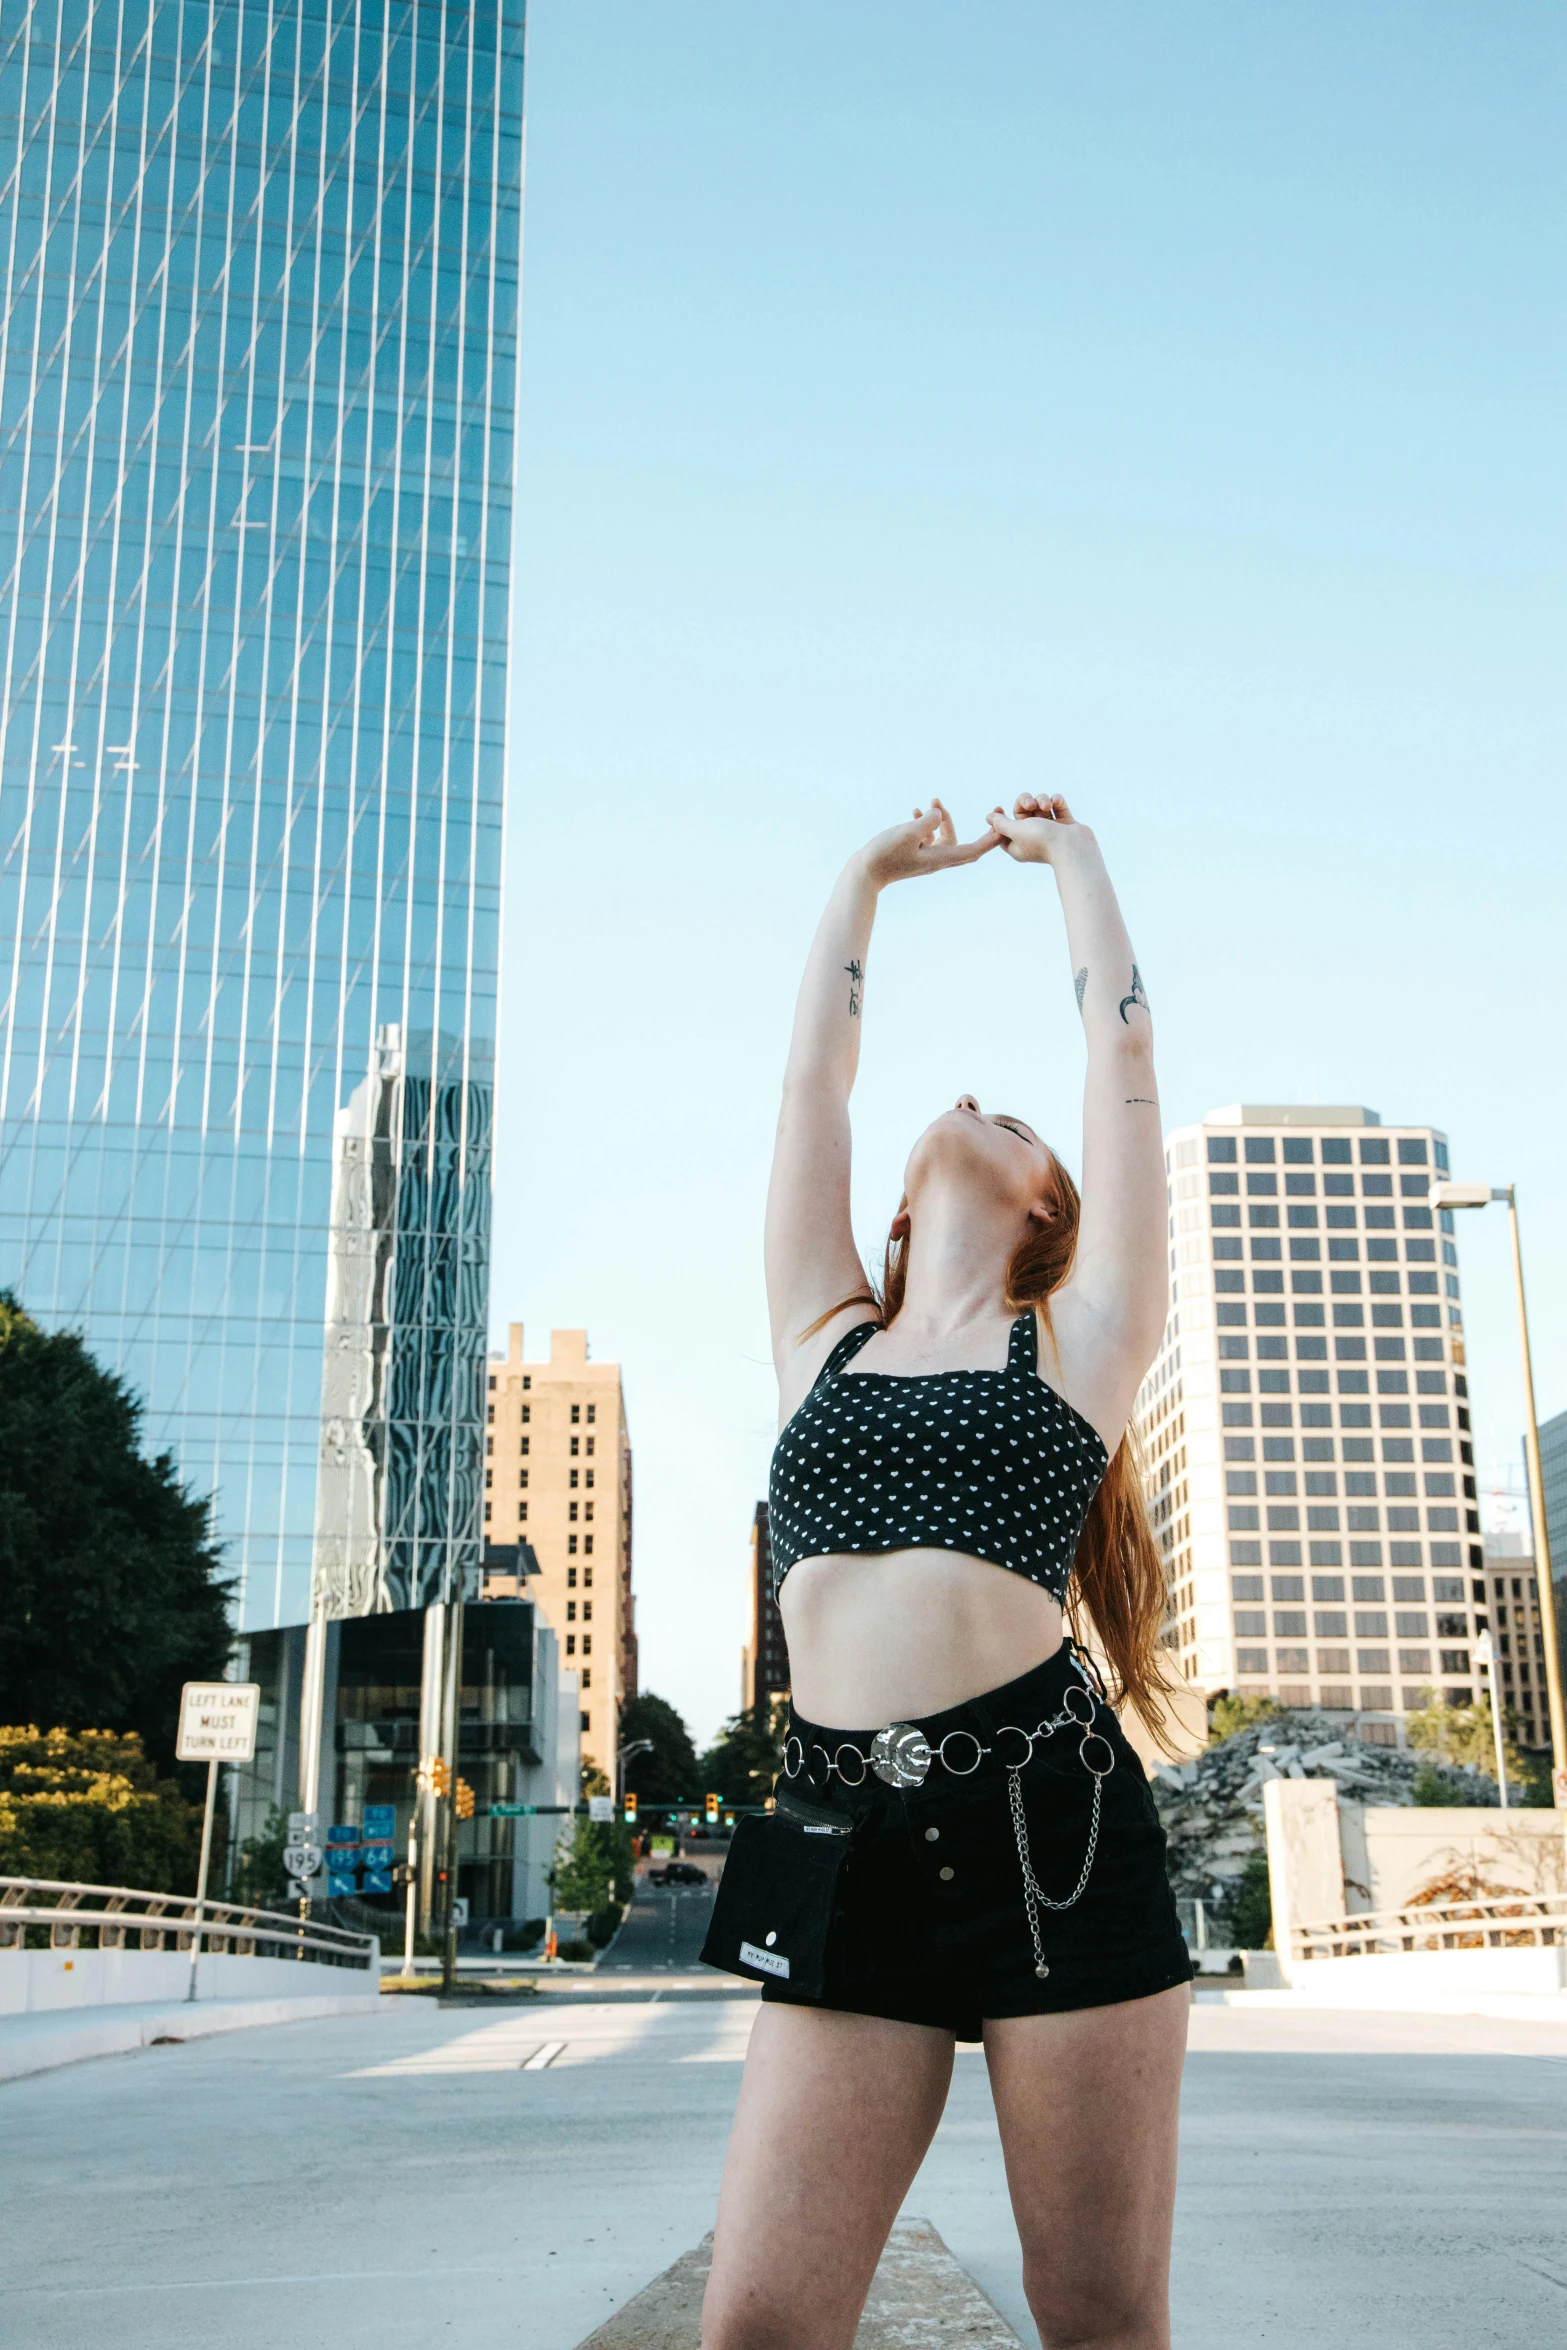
{"x":1212,"y":1806}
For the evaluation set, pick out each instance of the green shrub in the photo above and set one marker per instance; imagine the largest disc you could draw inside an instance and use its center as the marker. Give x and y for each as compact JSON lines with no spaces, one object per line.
{"x":86,"y":1806}
{"x":1227,"y":1715}
{"x":577,"y":1950}
{"x":604,"y":1924}
{"x":259,"y":1878}
{"x":1248,"y":1913}
{"x":526,"y":1937}
{"x":1431,"y":1789}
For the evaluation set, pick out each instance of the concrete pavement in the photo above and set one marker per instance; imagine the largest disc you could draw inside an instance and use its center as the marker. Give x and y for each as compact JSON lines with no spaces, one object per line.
{"x":49,"y":2037}
{"x":419,"y":2175}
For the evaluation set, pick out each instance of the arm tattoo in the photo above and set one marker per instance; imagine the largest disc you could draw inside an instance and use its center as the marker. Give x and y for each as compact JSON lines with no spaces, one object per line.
{"x":1146,"y":1099}
{"x":856,"y":971}
{"x":1080,"y":983}
{"x":1137,"y":995}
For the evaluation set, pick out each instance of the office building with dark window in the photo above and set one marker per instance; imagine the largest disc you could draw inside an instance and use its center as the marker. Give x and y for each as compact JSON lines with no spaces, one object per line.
{"x":1306,"y":1427}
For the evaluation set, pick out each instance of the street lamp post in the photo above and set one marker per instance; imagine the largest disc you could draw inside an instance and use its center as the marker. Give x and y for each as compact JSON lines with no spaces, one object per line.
{"x":637,"y":1746}
{"x":1480,"y":1195}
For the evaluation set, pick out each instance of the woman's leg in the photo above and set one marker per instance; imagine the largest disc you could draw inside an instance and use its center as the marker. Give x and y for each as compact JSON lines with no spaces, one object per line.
{"x":1088,"y":2106}
{"x":835,"y":2114}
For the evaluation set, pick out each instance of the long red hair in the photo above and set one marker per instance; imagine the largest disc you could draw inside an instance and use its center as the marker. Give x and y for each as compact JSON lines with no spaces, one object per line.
{"x":1116,"y":1601}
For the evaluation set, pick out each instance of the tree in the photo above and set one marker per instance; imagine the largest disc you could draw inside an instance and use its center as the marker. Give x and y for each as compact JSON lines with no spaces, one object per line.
{"x":593,"y":1865}
{"x":110,"y":1592}
{"x":1464,"y":1735}
{"x":747,"y":1755}
{"x":1228,"y":1715}
{"x":1246,"y":1920}
{"x":88,"y":1808}
{"x":260,"y":1878}
{"x":669,"y":1774}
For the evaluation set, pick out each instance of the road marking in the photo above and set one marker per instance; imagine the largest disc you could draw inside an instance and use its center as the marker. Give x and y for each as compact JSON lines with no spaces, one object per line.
{"x":541,"y":2057}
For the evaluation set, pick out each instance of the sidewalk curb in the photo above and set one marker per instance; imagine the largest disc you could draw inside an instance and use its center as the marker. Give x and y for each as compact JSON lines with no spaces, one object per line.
{"x":42,"y":2043}
{"x":919,"y":2299}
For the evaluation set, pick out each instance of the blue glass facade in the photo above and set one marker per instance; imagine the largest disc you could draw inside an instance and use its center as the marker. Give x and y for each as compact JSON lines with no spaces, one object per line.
{"x":257,"y":382}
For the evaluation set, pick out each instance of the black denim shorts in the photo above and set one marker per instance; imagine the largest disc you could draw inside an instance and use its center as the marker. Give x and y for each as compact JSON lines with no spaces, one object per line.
{"x":928,"y":1924}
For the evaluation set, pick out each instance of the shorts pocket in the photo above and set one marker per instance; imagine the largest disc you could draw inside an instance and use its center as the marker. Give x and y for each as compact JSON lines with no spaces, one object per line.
{"x":776,"y":1901}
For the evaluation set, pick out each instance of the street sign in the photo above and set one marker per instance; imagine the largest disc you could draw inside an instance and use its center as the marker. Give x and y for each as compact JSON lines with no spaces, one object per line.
{"x":342,"y":1881}
{"x":218,"y":1721}
{"x":302,"y":1826}
{"x":380,"y":1823}
{"x":525,"y":1811}
{"x":342,"y":1835}
{"x":601,"y":1807}
{"x":378,"y":1880}
{"x":302,"y":1860}
{"x":375,"y":1856}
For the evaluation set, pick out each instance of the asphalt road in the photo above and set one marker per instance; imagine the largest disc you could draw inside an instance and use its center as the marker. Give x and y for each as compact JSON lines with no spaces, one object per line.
{"x":665,"y":1928}
{"x":422,"y":2176}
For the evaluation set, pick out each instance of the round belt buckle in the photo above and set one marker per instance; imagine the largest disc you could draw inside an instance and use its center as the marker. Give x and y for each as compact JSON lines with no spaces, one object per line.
{"x":900,"y":1755}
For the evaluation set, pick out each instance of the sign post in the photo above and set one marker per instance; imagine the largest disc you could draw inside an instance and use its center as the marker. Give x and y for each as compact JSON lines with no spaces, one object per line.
{"x":217,"y":1724}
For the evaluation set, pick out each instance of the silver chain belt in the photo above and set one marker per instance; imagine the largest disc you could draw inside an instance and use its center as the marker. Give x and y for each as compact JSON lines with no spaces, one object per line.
{"x":901,"y":1756}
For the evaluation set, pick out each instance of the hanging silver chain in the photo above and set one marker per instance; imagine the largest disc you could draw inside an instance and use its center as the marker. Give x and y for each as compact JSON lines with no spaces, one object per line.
{"x":1035,"y":1898}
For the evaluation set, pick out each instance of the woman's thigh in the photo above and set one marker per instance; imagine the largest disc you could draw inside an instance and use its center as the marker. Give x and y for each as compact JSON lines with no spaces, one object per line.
{"x":835,"y":2114}
{"x":1088,"y":2105}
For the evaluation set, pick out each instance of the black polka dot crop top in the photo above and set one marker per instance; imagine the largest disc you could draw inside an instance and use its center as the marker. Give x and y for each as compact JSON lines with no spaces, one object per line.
{"x":992,"y":1463}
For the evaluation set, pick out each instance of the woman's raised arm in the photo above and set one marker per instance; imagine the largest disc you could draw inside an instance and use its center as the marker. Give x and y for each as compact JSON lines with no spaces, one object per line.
{"x":1109,"y":1316}
{"x":811,"y":1258}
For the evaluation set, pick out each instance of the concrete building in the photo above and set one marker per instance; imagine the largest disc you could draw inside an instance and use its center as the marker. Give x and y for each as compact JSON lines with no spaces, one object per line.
{"x":1306,"y":1426}
{"x":764,"y":1660}
{"x":557,"y":1475}
{"x":1512,"y":1598}
{"x":516,"y":1743}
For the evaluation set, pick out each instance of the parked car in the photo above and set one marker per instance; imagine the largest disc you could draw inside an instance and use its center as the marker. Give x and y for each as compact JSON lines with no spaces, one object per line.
{"x":677,"y":1872}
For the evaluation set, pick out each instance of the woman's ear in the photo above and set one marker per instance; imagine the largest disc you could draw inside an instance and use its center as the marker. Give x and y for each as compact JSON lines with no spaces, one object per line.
{"x":1042,"y":1211}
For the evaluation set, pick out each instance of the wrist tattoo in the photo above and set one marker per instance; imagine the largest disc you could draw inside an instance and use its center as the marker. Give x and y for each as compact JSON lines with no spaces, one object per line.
{"x":1137,"y":996}
{"x":1079,"y":984}
{"x":1146,"y":1099}
{"x":856,"y":973}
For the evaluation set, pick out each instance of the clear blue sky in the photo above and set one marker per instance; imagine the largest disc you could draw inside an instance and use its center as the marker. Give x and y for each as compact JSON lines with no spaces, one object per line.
{"x":1161,"y":404}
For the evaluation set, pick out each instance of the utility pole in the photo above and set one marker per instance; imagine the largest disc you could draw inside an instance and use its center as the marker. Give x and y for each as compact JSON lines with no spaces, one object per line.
{"x":451,"y":1721}
{"x":1481,"y":1195}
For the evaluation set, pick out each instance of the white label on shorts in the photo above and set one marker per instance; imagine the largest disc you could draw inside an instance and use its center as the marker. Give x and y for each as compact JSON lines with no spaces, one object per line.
{"x":771,"y":1962}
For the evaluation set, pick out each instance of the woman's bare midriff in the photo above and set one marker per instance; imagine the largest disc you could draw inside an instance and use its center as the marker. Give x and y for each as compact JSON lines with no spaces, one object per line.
{"x":889,"y":1635}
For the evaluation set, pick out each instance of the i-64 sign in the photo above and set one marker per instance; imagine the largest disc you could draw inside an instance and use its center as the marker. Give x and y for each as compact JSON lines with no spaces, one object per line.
{"x":302,"y":1860}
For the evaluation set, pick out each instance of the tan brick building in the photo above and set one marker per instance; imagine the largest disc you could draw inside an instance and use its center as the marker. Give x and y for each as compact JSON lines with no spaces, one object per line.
{"x":557,"y":1474}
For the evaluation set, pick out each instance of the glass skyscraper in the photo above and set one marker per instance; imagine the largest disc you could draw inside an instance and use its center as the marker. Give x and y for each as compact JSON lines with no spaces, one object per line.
{"x":260,"y":268}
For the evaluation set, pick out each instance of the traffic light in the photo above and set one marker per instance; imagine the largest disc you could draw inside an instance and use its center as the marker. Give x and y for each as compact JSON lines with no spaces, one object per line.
{"x":435,"y":1775}
{"x":631,"y":1810}
{"x":712,"y":1811}
{"x":464,"y":1800}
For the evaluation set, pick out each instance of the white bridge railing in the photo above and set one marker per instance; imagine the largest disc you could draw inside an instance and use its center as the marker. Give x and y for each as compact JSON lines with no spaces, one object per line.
{"x":116,"y":1917}
{"x":1509,"y":1921}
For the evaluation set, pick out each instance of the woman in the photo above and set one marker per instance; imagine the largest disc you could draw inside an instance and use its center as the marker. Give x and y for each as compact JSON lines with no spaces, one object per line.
{"x":964,"y":1845}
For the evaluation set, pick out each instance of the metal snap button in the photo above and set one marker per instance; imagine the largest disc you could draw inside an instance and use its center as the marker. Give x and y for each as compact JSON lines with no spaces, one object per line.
{"x":947,"y":1875}
{"x":771,"y":1939}
{"x":933,"y":1835}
